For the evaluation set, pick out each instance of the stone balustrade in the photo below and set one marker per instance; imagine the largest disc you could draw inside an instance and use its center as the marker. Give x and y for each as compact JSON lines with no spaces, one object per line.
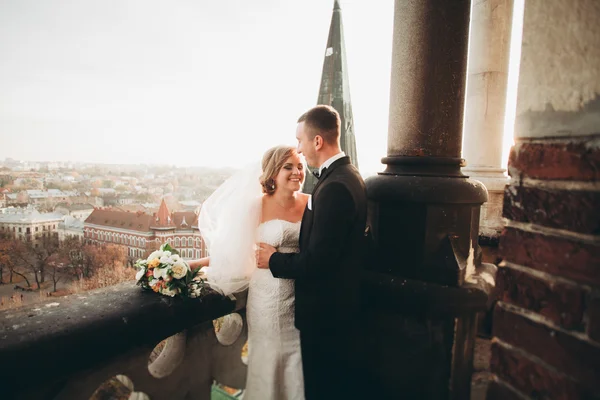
{"x":67,"y":348}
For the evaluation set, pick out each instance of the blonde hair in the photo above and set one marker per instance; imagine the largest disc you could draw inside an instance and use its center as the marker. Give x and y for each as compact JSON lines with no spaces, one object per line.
{"x":272,"y":162}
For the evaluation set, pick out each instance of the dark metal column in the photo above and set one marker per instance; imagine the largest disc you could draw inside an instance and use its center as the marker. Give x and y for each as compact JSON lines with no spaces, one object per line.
{"x":425,"y":283}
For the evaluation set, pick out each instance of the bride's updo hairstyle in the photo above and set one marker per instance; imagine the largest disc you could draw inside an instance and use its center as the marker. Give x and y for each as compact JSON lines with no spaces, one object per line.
{"x":272,"y":163}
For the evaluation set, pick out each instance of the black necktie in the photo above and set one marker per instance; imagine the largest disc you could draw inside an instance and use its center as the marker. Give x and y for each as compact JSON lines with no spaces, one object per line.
{"x":317,"y":175}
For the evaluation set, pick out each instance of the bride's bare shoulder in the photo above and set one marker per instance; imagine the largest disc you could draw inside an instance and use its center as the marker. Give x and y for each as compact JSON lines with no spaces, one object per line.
{"x":304,"y":197}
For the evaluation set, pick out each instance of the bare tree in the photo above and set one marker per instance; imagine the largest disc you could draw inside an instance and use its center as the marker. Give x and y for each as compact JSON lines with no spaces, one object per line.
{"x":43,"y":248}
{"x":56,"y":269}
{"x":33,"y":256}
{"x":72,"y":253}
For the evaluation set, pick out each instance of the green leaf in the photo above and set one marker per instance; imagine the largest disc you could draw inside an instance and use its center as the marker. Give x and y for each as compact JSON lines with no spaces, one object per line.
{"x":167,"y":247}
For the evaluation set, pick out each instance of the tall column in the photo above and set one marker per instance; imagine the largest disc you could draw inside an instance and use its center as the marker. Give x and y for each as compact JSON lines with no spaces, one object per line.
{"x":486,"y":105}
{"x":425,"y":279}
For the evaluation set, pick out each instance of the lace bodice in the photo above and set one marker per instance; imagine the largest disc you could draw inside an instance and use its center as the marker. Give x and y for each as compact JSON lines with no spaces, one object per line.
{"x":274,"y":360}
{"x":280,"y":234}
{"x":273,"y":296}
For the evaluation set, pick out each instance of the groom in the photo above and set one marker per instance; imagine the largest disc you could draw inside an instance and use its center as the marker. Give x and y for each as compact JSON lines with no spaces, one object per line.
{"x":326,"y":270}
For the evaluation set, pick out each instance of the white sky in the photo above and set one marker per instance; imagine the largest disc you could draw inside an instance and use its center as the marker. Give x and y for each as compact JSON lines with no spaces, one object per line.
{"x":186,"y":82}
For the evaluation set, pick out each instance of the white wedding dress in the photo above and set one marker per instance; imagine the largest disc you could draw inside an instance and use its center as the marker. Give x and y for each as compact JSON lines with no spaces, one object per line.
{"x":274,"y":359}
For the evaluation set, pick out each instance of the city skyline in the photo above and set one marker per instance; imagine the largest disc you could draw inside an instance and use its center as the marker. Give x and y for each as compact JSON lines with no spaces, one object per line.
{"x":187,"y":84}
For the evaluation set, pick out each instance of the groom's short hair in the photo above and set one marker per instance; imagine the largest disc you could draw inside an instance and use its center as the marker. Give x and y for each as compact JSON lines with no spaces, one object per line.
{"x":324,"y":121}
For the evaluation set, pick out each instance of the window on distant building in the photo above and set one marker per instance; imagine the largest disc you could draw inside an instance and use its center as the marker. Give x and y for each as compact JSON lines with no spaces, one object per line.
{"x":190,"y":242}
{"x":37,"y":229}
{"x":176,"y":243}
{"x":20,"y":230}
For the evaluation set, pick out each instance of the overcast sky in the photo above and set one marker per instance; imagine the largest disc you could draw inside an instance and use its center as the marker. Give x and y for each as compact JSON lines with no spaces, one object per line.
{"x":190,"y":83}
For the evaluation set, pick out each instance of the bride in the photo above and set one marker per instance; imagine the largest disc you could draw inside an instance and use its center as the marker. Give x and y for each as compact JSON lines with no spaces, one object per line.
{"x":231,"y":221}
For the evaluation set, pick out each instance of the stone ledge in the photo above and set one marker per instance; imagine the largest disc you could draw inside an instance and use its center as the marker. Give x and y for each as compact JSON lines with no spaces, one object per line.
{"x":91,"y":328}
{"x":418,"y":298}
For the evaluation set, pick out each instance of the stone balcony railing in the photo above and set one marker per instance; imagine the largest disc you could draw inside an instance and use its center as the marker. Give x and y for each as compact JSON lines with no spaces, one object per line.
{"x":67,"y":348}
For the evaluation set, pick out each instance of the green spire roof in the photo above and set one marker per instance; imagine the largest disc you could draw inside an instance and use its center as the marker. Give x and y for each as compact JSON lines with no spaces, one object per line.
{"x":335,"y":88}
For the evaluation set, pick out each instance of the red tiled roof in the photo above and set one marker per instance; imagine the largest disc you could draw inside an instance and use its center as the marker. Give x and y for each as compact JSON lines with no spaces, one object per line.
{"x":142,"y":222}
{"x":189,"y":217}
{"x":121,"y":219}
{"x":163,"y":218}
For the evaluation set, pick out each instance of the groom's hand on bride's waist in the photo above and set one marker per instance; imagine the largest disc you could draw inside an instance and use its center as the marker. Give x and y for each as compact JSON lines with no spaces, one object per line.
{"x":263,"y":254}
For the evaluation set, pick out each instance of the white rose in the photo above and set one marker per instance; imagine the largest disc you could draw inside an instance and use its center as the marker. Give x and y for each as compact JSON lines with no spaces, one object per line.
{"x":166,"y":260}
{"x":155,"y":254}
{"x":167,"y":253}
{"x":175,"y":257}
{"x":179,"y":269}
{"x":159,"y":272}
{"x":141,"y":272}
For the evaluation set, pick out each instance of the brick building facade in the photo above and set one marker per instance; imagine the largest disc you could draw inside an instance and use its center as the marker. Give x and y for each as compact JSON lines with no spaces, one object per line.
{"x":142,"y":233}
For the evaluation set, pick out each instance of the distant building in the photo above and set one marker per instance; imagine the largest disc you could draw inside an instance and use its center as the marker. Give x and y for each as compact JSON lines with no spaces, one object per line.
{"x":125,"y":199}
{"x":11,"y":199}
{"x":142,"y":233}
{"x":70,"y":227}
{"x":77,"y":211}
{"x":46,"y":198}
{"x":29,"y":224}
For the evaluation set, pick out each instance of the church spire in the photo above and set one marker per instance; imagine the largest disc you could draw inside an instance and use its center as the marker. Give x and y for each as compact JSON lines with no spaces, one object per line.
{"x":335,"y":88}
{"x":163,"y":217}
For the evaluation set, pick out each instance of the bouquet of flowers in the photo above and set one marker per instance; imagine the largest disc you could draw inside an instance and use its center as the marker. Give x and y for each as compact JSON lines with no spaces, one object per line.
{"x":165,"y":272}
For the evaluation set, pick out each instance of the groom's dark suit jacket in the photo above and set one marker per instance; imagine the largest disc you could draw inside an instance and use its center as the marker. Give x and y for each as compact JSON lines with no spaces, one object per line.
{"x":331,"y":249}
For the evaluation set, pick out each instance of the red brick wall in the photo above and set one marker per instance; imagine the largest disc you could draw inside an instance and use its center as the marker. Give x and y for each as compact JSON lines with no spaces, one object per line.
{"x":546,"y":325}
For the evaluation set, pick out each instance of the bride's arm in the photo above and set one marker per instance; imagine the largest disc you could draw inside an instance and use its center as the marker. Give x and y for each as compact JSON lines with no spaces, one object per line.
{"x":201,"y":262}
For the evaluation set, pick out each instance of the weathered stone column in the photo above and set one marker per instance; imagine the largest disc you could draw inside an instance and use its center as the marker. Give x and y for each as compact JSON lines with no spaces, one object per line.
{"x":424,"y":280}
{"x":429,"y":64}
{"x":489,"y":56}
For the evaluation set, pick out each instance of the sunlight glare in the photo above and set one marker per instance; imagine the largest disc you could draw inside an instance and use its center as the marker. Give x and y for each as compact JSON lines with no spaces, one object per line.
{"x":513,"y":79}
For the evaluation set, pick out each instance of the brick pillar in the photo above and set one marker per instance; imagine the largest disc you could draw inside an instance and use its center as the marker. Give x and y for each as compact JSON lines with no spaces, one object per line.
{"x":547,"y":324}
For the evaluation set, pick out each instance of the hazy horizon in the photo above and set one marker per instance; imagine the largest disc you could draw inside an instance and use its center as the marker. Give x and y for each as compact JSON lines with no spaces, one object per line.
{"x":188,"y":84}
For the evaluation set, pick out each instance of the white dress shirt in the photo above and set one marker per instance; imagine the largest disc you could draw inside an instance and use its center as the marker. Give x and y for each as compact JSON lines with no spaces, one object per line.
{"x":326,"y":164}
{"x":330,"y":161}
